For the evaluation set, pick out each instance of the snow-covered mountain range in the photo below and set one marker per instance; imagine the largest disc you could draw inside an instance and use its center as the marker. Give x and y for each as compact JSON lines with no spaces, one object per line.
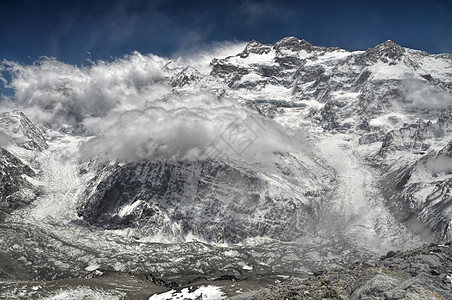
{"x":280,"y":159}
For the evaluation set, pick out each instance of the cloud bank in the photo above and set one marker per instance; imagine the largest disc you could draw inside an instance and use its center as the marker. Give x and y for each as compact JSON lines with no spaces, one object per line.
{"x":58,"y":93}
{"x":132,"y":113}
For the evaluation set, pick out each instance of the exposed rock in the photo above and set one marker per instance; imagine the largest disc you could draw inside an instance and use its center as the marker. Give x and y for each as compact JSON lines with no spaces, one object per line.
{"x":212,"y":200}
{"x":15,"y":190}
{"x":390,"y":278}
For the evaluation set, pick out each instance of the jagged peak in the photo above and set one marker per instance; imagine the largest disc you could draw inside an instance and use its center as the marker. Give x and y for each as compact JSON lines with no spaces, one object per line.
{"x":257,"y":47}
{"x":389,"y":44}
{"x":293,"y":43}
{"x":386,"y":50}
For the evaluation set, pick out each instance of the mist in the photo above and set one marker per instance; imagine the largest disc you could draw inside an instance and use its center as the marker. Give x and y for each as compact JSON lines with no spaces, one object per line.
{"x":422,"y":94}
{"x":440,"y":164}
{"x":4,"y":139}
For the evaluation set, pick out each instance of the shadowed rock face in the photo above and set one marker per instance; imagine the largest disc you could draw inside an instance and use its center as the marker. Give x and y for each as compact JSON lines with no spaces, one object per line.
{"x":387,"y":52}
{"x":15,"y":190}
{"x":212,"y":200}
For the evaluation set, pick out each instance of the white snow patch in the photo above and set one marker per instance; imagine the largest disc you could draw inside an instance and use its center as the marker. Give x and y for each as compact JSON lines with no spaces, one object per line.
{"x":203,"y":292}
{"x":383,"y":71}
{"x":328,"y":57}
{"x":85,"y":293}
{"x":267,"y":59}
{"x":92,"y":267}
{"x":341,"y":95}
{"x":389,"y":121}
{"x":251,"y":77}
{"x":128,"y":209}
{"x":245,"y":266}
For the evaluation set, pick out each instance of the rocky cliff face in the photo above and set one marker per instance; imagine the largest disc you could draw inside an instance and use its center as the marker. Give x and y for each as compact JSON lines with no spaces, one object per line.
{"x":17,"y":130}
{"x":22,"y":132}
{"x":15,"y":190}
{"x":213,"y":200}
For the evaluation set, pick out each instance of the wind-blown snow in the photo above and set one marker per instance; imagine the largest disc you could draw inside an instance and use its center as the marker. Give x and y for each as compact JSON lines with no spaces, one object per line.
{"x":200,"y":59}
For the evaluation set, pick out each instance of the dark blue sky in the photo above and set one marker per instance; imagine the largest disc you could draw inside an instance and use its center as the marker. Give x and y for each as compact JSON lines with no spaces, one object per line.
{"x":70,"y":30}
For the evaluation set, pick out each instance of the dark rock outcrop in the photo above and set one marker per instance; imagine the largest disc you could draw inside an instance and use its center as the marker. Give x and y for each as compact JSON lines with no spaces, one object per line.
{"x":15,"y":190}
{"x":211,"y":200}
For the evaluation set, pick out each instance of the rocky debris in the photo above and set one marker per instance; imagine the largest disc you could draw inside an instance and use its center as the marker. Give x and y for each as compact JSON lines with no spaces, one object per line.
{"x":423,"y":273}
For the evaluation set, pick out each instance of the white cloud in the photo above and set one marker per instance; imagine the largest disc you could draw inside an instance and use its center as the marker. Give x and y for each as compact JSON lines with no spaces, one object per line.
{"x":57,"y":93}
{"x":183,"y":128}
{"x":133,"y":114}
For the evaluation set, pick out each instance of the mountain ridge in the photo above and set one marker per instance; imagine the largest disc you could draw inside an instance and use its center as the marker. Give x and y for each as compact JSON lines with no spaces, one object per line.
{"x":286,"y":158}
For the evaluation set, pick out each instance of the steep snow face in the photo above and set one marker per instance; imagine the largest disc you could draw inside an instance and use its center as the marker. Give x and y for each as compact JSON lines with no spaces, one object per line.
{"x":19,"y":130}
{"x":355,"y":86}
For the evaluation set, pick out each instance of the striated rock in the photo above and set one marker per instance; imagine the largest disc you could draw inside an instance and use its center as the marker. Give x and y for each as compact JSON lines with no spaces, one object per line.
{"x":216,"y":201}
